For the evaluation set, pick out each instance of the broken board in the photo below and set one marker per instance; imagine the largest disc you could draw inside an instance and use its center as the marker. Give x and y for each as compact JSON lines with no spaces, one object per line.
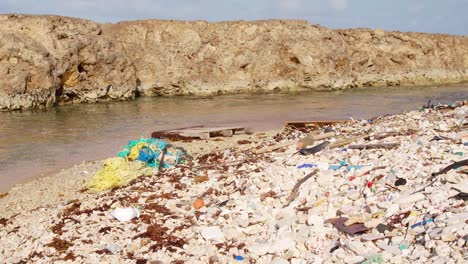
{"x":199,"y":132}
{"x":318,"y":124}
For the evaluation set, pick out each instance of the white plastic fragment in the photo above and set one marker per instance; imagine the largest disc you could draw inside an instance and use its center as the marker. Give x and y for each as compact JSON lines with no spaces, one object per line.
{"x":212,"y":233}
{"x":410,"y":198}
{"x":279,"y":261}
{"x":388,"y":248}
{"x":125,"y":214}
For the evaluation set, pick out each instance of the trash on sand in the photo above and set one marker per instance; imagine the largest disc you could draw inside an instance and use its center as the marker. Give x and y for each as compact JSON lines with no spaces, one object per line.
{"x":452,"y":166}
{"x":345,"y":142}
{"x":138,"y":158}
{"x":315,"y":124}
{"x":300,"y":144}
{"x":382,"y":228}
{"x":274,"y":147}
{"x":295,"y":190}
{"x":199,"y":132}
{"x":348,"y":167}
{"x":315,"y":149}
{"x":198,"y":203}
{"x":375,"y":259}
{"x":117,"y":172}
{"x":353,"y":229}
{"x":310,"y":139}
{"x":400,"y":181}
{"x":375,"y":146}
{"x":239,"y":258}
{"x":389,"y":248}
{"x":125,"y":214}
{"x":460,"y":196}
{"x":306,"y":166}
{"x":422,"y":223}
{"x":212,"y":233}
{"x":154,"y":152}
{"x":113,"y":248}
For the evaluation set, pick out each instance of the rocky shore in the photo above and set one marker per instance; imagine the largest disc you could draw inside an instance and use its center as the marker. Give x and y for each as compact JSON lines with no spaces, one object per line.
{"x":51,"y":60}
{"x":390,"y":189}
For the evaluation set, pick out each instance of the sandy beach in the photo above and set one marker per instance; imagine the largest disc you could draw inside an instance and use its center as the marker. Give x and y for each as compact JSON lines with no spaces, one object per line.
{"x":390,"y":189}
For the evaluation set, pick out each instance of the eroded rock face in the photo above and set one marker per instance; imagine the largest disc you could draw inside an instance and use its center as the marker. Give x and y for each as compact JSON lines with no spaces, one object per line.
{"x":45,"y":60}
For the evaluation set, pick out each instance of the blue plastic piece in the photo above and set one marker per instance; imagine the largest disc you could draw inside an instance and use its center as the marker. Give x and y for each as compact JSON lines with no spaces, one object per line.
{"x":306,"y":165}
{"x":423,"y":223}
{"x":348,"y":167}
{"x":239,"y":258}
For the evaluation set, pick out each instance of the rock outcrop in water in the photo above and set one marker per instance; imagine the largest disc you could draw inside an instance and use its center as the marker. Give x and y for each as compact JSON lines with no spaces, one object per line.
{"x":47,"y":60}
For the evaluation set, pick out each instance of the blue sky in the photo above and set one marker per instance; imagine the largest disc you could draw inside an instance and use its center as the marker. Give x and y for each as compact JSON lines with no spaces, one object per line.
{"x":435,"y":16}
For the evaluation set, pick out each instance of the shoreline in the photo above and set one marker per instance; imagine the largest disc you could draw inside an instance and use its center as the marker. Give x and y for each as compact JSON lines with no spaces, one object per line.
{"x":254,"y":204}
{"x":66,"y":183}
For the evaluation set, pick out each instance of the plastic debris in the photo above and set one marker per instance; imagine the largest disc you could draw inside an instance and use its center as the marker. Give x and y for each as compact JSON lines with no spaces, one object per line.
{"x":353,"y":229}
{"x":154,"y":152}
{"x":125,"y":214}
{"x":117,"y":172}
{"x":373,"y":214}
{"x":375,"y":259}
{"x":382,"y":228}
{"x":295,"y":190}
{"x":315,"y":149}
{"x":422,"y":223}
{"x":400,"y":182}
{"x":348,"y":167}
{"x":212,"y":233}
{"x":460,"y":196}
{"x":452,"y":166}
{"x":306,"y":166}
{"x":198,"y":203}
{"x":375,"y":146}
{"x":113,"y":248}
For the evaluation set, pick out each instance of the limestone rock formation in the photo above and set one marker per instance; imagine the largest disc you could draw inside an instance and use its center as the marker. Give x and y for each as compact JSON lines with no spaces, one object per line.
{"x":47,"y":60}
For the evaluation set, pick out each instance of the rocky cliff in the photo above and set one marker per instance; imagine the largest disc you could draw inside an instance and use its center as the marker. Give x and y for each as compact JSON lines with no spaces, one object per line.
{"x":48,"y":60}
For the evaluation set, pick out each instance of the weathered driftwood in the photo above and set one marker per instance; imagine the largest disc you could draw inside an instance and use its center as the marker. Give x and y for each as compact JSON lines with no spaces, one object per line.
{"x":310,"y":139}
{"x":375,"y":146}
{"x":295,"y":190}
{"x":344,"y":142}
{"x":452,"y":166}
{"x":199,"y":132}
{"x":318,"y":124}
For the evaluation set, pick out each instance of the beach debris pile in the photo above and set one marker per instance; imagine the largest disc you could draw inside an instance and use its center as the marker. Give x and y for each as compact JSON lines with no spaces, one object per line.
{"x":391,"y":189}
{"x":140,"y":157}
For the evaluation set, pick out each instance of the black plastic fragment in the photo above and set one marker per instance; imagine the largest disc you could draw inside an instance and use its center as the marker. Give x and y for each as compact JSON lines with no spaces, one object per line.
{"x":314,"y":149}
{"x":400,"y":182}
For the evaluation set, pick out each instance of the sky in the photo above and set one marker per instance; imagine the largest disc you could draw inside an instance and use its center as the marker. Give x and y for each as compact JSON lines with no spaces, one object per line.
{"x":434,"y":16}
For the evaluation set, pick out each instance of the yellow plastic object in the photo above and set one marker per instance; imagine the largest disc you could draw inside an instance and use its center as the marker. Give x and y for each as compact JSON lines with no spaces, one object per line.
{"x":117,"y":172}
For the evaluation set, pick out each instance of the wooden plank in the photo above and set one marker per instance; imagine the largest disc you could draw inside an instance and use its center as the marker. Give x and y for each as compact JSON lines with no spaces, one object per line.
{"x":197,"y":132}
{"x":299,"y":124}
{"x":375,"y":146}
{"x":274,"y":147}
{"x":311,"y":138}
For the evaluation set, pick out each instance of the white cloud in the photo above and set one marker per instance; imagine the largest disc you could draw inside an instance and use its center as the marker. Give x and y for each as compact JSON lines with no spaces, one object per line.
{"x":291,"y":4}
{"x":338,"y":4}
